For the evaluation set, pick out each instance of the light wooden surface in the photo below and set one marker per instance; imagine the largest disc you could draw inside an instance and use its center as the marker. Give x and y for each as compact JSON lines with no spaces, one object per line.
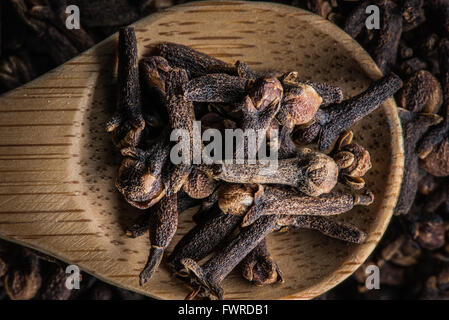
{"x":57,"y":164}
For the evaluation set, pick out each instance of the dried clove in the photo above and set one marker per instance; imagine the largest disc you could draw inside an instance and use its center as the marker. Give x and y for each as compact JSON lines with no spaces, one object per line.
{"x":181,"y":117}
{"x":199,"y":185}
{"x":329,"y":227}
{"x":421,"y":93}
{"x":15,"y":70}
{"x":194,"y":62}
{"x":429,"y":232}
{"x":261,"y":104}
{"x":269,"y":199}
{"x":329,"y":94}
{"x":234,"y":201}
{"x":259,"y":266}
{"x":414,"y":126}
{"x":433,"y":149}
{"x":299,"y":103}
{"x":311,"y":172}
{"x":320,"y":7}
{"x":128,"y":123}
{"x":385,"y":45}
{"x":240,"y":69}
{"x":337,"y":118}
{"x":436,"y":162}
{"x":352,"y":160}
{"x":207,"y":278}
{"x":155,"y":72}
{"x":427,"y":184}
{"x":23,"y":282}
{"x":216,"y":87}
{"x":142,"y":223}
{"x":163,"y":225}
{"x":140,"y":177}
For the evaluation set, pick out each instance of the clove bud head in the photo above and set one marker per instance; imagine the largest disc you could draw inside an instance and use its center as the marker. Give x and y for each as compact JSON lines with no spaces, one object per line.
{"x":299,"y":104}
{"x":135,"y":181}
{"x":265,"y":92}
{"x":236,"y":198}
{"x":320,"y":175}
{"x":353,"y":160}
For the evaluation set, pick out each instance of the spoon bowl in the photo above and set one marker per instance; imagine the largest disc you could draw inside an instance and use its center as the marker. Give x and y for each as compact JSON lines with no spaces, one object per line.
{"x":58,"y":164}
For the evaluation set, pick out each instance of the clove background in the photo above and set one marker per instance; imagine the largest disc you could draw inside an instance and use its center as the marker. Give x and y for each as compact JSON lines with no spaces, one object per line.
{"x":413,"y":256}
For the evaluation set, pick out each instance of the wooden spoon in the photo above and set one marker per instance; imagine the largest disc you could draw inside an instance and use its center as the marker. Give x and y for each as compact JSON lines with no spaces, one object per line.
{"x":58,"y":164}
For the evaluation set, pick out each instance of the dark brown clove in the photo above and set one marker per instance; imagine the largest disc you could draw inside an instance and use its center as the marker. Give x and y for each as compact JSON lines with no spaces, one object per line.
{"x":202,"y":214}
{"x":421,"y":93}
{"x":299,"y":104}
{"x":261,"y":104}
{"x":329,"y":94}
{"x":181,"y":115}
{"x":385,"y":45}
{"x":355,"y":22}
{"x":194,"y":62}
{"x":320,"y":7}
{"x":142,"y":223}
{"x":207,"y":279}
{"x":128,"y":123}
{"x":311,"y":172}
{"x":286,"y":146}
{"x":163,"y":226}
{"x":234,"y":201}
{"x":427,"y":184}
{"x":411,"y":66}
{"x":24,"y":281}
{"x":240,"y":69}
{"x":337,"y":118}
{"x":15,"y":70}
{"x":352,"y":160}
{"x":216,"y":87}
{"x":269,"y":200}
{"x":154,"y":72}
{"x":259,"y":266}
{"x":199,"y":185}
{"x":433,"y":149}
{"x":414,"y":126}
{"x":429,"y":232}
{"x":140,"y":177}
{"x":330,"y":227}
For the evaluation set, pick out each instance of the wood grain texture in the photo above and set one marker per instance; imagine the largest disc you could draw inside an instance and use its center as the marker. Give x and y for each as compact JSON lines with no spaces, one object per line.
{"x":57,"y":163}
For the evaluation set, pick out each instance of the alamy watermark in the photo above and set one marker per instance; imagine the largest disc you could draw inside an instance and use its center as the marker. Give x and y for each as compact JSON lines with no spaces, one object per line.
{"x":73,"y":277}
{"x":236,"y":146}
{"x":373,"y":20}
{"x":73,"y":19}
{"x":373,"y":277}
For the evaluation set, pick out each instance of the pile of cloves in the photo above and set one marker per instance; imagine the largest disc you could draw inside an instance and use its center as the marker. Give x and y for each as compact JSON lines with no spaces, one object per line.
{"x":413,"y":257}
{"x":413,"y":41}
{"x":26,"y":274}
{"x":238,"y":201}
